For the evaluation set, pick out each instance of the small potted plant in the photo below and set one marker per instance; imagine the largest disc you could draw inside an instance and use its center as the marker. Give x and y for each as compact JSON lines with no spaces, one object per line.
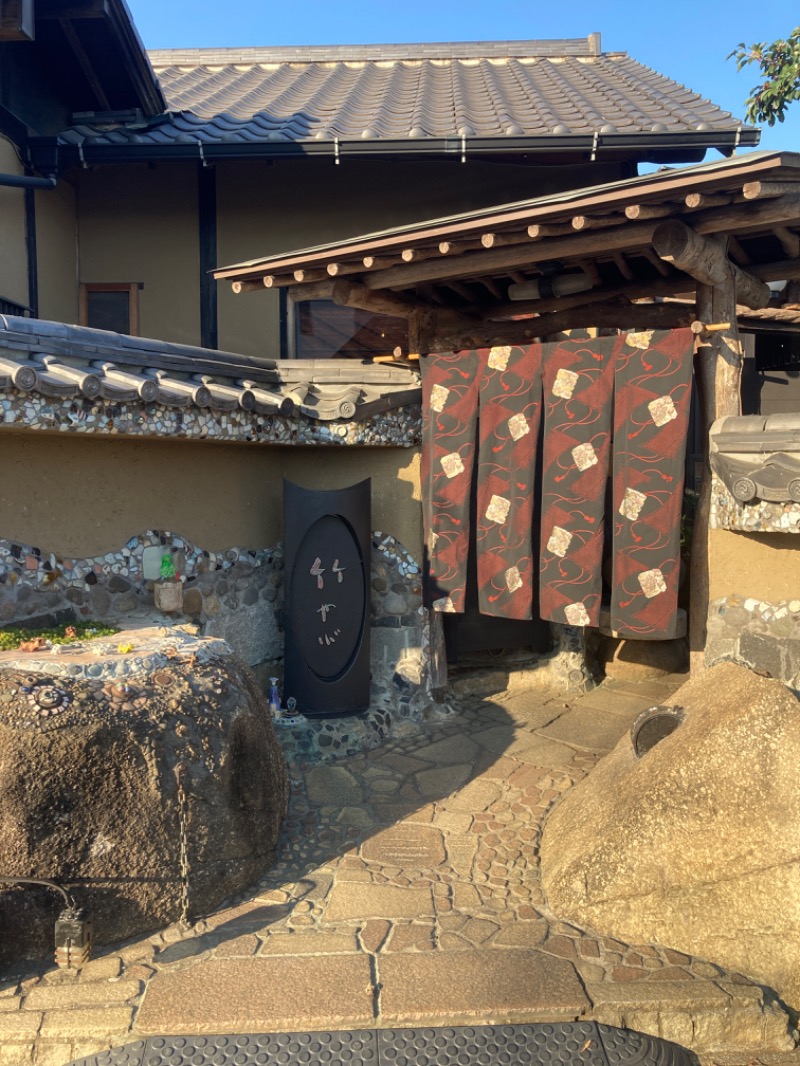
{"x":168,"y":590}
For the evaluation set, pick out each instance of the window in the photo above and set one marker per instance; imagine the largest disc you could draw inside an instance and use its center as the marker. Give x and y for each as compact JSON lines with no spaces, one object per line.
{"x":320,"y":329}
{"x":111,"y":305}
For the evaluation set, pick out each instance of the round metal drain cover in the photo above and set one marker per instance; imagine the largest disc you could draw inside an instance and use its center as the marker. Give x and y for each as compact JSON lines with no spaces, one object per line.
{"x":652,"y":726}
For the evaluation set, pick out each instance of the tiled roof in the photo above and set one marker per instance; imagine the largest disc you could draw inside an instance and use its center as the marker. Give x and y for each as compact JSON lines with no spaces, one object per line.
{"x":73,"y":362}
{"x":417,"y":94}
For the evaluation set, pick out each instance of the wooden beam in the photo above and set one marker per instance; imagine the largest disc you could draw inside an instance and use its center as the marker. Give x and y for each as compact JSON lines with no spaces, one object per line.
{"x":429,"y":294}
{"x":495,"y":290}
{"x":622,"y":266}
{"x":706,"y":261}
{"x":696,"y":200}
{"x":87,"y":67}
{"x":698,"y":564}
{"x":457,"y":247}
{"x":350,"y":294}
{"x":460,"y":290}
{"x":321,"y":290}
{"x":756,"y":190}
{"x":549,"y":229}
{"x":636,"y":291}
{"x":339,"y":270}
{"x":781,"y":270}
{"x":760,"y":212}
{"x":247,"y":286}
{"x":375,"y":262}
{"x":609,"y":315}
{"x":634,"y":235}
{"x":790,"y":297}
{"x":718,"y":372}
{"x":641,"y":212}
{"x":790,"y":242}
{"x":589,"y":267}
{"x":500,"y":240}
{"x":659,"y":264}
{"x":583,"y":223}
{"x":737,"y":252}
{"x":307,"y":276}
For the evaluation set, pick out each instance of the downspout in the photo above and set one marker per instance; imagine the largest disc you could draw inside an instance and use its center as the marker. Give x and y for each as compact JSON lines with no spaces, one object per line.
{"x":24,"y":181}
{"x":30,"y":184}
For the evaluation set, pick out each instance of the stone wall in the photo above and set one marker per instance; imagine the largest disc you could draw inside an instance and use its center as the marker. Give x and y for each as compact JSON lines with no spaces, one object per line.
{"x":758,"y":634}
{"x":237,"y":595}
{"x":758,"y":624}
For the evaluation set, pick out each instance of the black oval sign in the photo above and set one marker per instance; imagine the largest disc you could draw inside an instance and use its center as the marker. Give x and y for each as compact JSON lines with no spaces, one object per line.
{"x":328,"y":597}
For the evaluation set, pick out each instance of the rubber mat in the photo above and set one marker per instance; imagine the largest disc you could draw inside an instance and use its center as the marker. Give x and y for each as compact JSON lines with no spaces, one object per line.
{"x":556,"y":1044}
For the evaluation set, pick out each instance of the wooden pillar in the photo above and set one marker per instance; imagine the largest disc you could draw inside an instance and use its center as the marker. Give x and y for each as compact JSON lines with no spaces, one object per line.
{"x":718,"y":373}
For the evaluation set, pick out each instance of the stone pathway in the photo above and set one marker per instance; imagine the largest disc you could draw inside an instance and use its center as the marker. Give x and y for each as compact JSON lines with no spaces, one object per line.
{"x":406,"y":892}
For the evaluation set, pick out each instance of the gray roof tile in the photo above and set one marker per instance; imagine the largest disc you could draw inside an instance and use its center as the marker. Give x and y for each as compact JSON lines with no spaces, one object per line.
{"x":418,"y":92}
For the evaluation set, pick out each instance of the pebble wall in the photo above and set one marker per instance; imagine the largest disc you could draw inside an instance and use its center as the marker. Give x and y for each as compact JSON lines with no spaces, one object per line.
{"x":400,"y":426}
{"x":762,"y":636}
{"x":237,"y":595}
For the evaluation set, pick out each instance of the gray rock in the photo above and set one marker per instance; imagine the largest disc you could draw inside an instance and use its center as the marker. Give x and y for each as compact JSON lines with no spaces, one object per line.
{"x":100,"y":601}
{"x":252,"y":632}
{"x":102,"y":809}
{"x":694,"y":846}
{"x":193,"y":602}
{"x":127,"y":602}
{"x":394,"y":604}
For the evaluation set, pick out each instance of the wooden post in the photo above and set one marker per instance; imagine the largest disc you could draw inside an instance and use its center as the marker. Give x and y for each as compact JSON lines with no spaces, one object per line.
{"x":718,"y":373}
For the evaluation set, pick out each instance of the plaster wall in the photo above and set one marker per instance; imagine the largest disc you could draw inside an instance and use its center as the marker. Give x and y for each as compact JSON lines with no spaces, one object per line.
{"x":13,"y":251}
{"x":91,"y":496}
{"x":764,"y":566}
{"x":138,"y":223}
{"x":57,"y":252}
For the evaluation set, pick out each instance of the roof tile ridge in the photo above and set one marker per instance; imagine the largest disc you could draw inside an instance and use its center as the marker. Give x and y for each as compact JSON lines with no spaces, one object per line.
{"x":162,"y":57}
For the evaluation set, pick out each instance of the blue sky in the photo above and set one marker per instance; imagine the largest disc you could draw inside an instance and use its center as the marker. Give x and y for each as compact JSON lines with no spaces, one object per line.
{"x":687,"y":40}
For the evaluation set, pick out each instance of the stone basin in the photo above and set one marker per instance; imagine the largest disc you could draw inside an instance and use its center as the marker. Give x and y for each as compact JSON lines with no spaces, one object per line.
{"x":93,"y":737}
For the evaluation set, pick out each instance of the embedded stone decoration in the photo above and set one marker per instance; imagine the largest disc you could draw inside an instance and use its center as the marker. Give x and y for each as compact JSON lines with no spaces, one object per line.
{"x":97,"y":416}
{"x":91,"y":738}
{"x":758,"y":634}
{"x":694,"y":845}
{"x":237,"y":596}
{"x":757,"y":516}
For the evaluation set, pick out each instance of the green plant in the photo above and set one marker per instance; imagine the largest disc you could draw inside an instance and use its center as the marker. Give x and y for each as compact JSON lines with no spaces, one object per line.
{"x":12,"y":636}
{"x":779,"y":63}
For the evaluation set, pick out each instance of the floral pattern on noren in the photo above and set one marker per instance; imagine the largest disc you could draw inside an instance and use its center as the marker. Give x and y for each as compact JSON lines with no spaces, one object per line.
{"x":503,"y":386}
{"x":491,"y":401}
{"x":508,"y":425}
{"x":578,"y":382}
{"x":652,"y":396}
{"x":449,"y":418}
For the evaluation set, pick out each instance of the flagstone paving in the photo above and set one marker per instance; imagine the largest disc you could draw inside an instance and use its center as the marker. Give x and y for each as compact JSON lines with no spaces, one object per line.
{"x":407,"y":892}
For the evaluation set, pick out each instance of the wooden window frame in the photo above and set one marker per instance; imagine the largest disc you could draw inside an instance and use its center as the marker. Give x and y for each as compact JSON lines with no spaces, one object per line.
{"x":131,"y":287}
{"x":289,"y":323}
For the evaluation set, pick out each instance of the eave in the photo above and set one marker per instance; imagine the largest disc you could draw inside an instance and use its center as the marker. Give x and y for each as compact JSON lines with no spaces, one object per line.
{"x":457,"y":279}
{"x":666,"y":148}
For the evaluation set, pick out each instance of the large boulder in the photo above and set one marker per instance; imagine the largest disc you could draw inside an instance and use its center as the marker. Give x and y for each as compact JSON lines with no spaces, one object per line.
{"x":695,"y":845}
{"x":90,"y":741}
